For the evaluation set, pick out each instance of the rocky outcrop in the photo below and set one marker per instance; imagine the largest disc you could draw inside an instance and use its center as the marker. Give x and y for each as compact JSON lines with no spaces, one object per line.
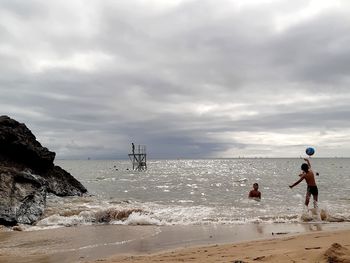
{"x":27,"y":174}
{"x":19,"y":147}
{"x":62,"y":183}
{"x":22,"y":197}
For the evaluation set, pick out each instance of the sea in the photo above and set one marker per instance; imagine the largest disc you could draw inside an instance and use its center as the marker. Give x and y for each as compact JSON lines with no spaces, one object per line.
{"x":199,"y":192}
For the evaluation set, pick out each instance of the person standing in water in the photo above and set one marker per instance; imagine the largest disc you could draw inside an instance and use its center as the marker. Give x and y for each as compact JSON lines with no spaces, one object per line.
{"x":309,"y":177}
{"x":255,"y":193}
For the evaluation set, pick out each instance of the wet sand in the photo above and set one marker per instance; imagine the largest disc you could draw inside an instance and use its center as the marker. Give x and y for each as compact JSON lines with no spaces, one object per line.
{"x":115,"y":243}
{"x":326,"y":246}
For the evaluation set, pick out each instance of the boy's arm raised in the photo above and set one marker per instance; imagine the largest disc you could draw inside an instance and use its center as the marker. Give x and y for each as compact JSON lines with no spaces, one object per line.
{"x":308,"y":162}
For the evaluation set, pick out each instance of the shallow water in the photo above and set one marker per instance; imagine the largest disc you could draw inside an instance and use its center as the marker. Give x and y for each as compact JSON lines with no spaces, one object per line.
{"x":197,"y":192}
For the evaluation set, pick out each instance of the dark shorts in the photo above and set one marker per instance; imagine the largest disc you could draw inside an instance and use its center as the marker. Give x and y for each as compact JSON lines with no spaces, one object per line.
{"x":312,"y":190}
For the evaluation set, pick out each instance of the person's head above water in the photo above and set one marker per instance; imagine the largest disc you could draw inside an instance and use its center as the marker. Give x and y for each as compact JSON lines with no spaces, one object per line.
{"x":305,"y":167}
{"x":255,"y":186}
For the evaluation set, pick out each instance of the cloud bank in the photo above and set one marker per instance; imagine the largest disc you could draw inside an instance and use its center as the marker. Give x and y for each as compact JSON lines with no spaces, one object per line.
{"x":190,"y":78}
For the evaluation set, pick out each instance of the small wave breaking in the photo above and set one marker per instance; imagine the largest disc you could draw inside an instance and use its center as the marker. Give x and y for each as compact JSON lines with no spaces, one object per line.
{"x":106,"y":216}
{"x":137,"y":216}
{"x":323,"y":215}
{"x":69,"y":212}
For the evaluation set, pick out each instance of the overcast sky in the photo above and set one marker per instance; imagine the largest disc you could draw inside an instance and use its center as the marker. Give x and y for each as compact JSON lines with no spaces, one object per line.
{"x":188,"y":78}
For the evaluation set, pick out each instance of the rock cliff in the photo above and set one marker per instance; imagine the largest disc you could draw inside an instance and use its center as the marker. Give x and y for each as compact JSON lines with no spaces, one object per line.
{"x":27,"y":174}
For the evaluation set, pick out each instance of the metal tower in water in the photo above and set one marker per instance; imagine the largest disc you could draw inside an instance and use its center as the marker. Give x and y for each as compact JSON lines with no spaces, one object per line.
{"x":138,"y":157}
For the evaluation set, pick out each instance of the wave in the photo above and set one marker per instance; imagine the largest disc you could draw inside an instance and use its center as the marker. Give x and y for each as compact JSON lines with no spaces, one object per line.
{"x":140,"y":217}
{"x":322,"y":215}
{"x":110,"y":215}
{"x":91,"y":210}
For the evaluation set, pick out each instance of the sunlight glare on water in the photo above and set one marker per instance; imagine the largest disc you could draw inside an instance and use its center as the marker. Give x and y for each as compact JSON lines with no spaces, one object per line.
{"x":207,"y":191}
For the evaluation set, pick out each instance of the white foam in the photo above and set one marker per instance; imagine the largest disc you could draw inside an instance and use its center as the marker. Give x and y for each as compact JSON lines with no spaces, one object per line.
{"x":180,"y":212}
{"x":138,"y":218}
{"x":185,"y":201}
{"x":57,"y":220}
{"x":241,"y":180}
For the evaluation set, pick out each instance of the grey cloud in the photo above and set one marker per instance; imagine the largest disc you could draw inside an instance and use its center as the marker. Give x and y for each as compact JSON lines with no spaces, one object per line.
{"x":24,"y":9}
{"x":161,"y":67}
{"x":316,"y":51}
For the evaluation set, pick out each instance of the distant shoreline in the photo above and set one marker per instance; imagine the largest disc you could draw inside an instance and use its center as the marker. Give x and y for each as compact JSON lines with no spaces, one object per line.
{"x":179,"y":159}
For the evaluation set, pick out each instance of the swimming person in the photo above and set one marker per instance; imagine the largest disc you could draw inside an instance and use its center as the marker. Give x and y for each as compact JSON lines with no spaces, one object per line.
{"x":309,"y":177}
{"x":255,"y":193}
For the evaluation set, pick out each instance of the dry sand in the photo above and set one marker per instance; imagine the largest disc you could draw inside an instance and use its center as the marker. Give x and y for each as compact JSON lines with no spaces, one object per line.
{"x":324,"y":246}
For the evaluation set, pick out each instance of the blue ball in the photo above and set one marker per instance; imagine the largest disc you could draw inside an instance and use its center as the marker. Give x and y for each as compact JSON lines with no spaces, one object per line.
{"x":310,"y":151}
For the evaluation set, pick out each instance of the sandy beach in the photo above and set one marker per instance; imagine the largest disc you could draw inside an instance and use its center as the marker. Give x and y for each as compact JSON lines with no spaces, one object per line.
{"x":230,"y":243}
{"x":327,"y":246}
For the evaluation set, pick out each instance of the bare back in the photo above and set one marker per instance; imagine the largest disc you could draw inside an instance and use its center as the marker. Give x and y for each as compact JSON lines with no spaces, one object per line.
{"x":310,"y":178}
